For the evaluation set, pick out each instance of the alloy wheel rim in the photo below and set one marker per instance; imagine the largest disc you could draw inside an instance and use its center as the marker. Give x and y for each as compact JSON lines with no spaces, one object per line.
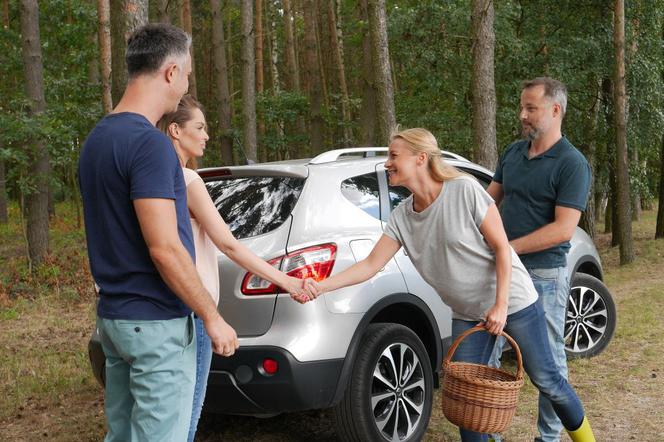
{"x":398,"y":392}
{"x":586,"y":321}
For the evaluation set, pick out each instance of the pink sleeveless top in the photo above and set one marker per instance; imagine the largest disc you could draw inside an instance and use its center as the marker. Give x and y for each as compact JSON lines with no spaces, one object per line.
{"x":206,"y":251}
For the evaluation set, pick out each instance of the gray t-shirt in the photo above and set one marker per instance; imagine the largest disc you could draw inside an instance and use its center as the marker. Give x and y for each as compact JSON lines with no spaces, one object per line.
{"x":446,"y":247}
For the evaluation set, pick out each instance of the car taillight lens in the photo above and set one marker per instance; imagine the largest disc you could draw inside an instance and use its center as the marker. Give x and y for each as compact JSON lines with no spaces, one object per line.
{"x":313,"y":262}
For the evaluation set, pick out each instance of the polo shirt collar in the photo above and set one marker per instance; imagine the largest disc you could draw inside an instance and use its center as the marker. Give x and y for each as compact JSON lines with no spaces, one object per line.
{"x":554,"y":152}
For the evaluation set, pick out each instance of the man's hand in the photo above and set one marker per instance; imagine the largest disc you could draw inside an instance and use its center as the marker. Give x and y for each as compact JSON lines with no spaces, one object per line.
{"x":223,"y":337}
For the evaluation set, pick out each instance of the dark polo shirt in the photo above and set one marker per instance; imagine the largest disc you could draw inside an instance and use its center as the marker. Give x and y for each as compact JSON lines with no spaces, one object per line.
{"x":534,"y":187}
{"x":126,"y":158}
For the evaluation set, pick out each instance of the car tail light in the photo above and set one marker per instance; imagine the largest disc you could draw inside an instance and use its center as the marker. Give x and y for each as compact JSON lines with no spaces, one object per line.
{"x":313,"y":262}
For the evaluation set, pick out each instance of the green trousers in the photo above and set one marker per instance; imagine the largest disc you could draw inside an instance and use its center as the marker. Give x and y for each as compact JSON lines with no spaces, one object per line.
{"x":150,"y":375}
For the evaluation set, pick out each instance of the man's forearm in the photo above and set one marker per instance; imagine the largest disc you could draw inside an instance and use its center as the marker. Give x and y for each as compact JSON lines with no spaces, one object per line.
{"x":178,"y":271}
{"x":543,"y":238}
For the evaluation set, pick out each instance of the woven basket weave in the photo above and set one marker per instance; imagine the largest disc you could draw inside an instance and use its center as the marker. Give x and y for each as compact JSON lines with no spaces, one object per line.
{"x":477,"y":397}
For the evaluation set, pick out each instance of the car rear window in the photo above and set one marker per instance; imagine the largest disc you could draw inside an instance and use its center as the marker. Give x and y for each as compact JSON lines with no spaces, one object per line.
{"x":253,"y":206}
{"x":398,"y":193}
{"x":363,"y":191}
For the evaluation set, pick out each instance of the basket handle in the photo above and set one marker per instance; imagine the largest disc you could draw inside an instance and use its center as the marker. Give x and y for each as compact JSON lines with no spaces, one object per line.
{"x":480,"y":327}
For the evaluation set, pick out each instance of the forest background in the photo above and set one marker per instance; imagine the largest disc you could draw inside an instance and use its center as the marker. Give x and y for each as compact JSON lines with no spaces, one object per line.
{"x":291,"y":78}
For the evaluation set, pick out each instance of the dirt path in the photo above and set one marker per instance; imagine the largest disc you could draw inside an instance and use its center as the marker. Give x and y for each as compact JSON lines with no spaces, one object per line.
{"x":622,"y":389}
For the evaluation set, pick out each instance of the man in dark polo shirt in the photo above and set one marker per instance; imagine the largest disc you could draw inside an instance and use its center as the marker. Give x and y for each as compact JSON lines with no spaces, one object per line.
{"x":141,"y":249}
{"x":541,"y":184}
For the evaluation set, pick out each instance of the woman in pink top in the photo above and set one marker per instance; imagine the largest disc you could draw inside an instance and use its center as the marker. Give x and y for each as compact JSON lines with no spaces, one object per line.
{"x":186,"y":127}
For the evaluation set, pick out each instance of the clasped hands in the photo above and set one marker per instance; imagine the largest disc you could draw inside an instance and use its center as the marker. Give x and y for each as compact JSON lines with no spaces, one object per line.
{"x":308,"y":291}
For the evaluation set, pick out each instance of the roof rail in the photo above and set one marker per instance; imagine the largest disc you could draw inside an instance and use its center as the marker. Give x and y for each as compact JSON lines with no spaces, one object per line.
{"x":333,"y":155}
{"x":454,"y":156}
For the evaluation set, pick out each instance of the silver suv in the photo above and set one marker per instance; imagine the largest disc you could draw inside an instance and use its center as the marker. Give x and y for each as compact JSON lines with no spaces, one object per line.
{"x":372,"y":351}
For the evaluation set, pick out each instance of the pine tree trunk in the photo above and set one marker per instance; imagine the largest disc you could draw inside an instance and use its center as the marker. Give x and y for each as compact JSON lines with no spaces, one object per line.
{"x":3,"y":188}
{"x":5,"y":14}
{"x":368,"y":116}
{"x":322,"y":54}
{"x":221,"y":77}
{"x":187,"y":26}
{"x":659,"y":229}
{"x":260,"y":77}
{"x":634,"y":149}
{"x":608,"y":218}
{"x":636,"y":195}
{"x":336,"y":43}
{"x":248,"y":81}
{"x":273,"y":50}
{"x":622,"y":164}
{"x":382,"y":72}
{"x":230,"y":59}
{"x":589,"y":149}
{"x":3,"y":192}
{"x":161,"y":7}
{"x":289,"y":50}
{"x":482,"y":84}
{"x":313,"y":76}
{"x":258,"y":26}
{"x":104,"y":15}
{"x":36,"y":202}
{"x":126,"y":17}
{"x":292,"y":72}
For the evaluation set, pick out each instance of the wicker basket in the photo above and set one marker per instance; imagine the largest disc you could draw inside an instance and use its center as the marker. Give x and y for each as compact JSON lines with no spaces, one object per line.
{"x":477,"y":397}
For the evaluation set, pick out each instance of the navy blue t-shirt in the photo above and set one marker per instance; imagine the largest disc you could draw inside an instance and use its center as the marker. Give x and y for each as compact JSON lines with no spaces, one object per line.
{"x":533,"y":187}
{"x":126,"y":158}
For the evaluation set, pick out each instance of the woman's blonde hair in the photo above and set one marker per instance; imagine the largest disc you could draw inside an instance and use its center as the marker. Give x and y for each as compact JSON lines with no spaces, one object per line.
{"x":419,"y":140}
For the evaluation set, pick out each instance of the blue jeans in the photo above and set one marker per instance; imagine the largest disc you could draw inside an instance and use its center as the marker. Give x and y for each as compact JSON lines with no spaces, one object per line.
{"x":203,"y":360}
{"x":552,"y":285}
{"x":150,"y":369}
{"x":528,"y":329}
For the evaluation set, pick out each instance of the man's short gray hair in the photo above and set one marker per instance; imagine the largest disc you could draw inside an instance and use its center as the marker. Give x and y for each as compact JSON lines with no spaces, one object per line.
{"x":151,"y":45}
{"x":554,"y":90}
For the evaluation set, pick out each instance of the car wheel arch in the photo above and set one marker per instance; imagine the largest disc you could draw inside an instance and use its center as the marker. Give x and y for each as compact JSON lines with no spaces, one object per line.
{"x":393,"y":309}
{"x":588,"y":264}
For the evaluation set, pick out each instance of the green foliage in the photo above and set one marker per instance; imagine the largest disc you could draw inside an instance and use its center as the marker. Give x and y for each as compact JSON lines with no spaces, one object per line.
{"x":73,"y":105}
{"x":279,"y":111}
{"x":430,"y":48}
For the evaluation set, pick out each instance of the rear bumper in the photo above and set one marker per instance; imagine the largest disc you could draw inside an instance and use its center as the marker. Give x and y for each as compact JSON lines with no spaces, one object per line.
{"x":239,"y":385}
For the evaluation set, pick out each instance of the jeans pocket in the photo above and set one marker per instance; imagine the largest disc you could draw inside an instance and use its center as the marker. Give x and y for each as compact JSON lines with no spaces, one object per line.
{"x":544,"y":274}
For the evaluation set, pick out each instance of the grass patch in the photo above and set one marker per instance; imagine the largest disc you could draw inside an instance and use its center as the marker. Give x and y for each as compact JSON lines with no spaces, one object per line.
{"x":46,"y":387}
{"x":47,"y":391}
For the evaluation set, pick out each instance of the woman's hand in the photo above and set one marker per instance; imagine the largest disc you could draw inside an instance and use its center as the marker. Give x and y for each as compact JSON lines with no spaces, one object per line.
{"x":295,"y":287}
{"x":496,"y":318}
{"x":309,"y":290}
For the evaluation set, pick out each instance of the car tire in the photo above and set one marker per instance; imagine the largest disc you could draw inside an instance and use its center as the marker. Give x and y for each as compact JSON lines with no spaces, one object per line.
{"x":591,"y":317}
{"x":374,"y":401}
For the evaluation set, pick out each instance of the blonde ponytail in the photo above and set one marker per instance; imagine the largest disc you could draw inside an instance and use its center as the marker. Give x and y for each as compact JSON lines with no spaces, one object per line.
{"x":419,"y":140}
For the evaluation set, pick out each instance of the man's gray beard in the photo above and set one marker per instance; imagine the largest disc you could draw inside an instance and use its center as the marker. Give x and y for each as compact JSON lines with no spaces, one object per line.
{"x":531,"y":135}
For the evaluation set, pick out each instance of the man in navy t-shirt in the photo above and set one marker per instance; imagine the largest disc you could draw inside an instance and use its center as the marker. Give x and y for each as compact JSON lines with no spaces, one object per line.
{"x":141,"y":249}
{"x":542,"y":184}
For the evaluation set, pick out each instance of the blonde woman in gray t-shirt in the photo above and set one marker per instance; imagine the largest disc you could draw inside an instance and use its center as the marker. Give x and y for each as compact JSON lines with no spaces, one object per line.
{"x":455,"y":238}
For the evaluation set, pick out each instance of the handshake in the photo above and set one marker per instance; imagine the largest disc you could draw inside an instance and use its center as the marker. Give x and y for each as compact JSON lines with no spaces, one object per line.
{"x":305,"y":290}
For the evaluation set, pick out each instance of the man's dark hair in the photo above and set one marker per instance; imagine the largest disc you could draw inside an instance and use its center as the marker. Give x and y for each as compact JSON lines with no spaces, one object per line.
{"x":553,"y":89}
{"x":151,"y":45}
